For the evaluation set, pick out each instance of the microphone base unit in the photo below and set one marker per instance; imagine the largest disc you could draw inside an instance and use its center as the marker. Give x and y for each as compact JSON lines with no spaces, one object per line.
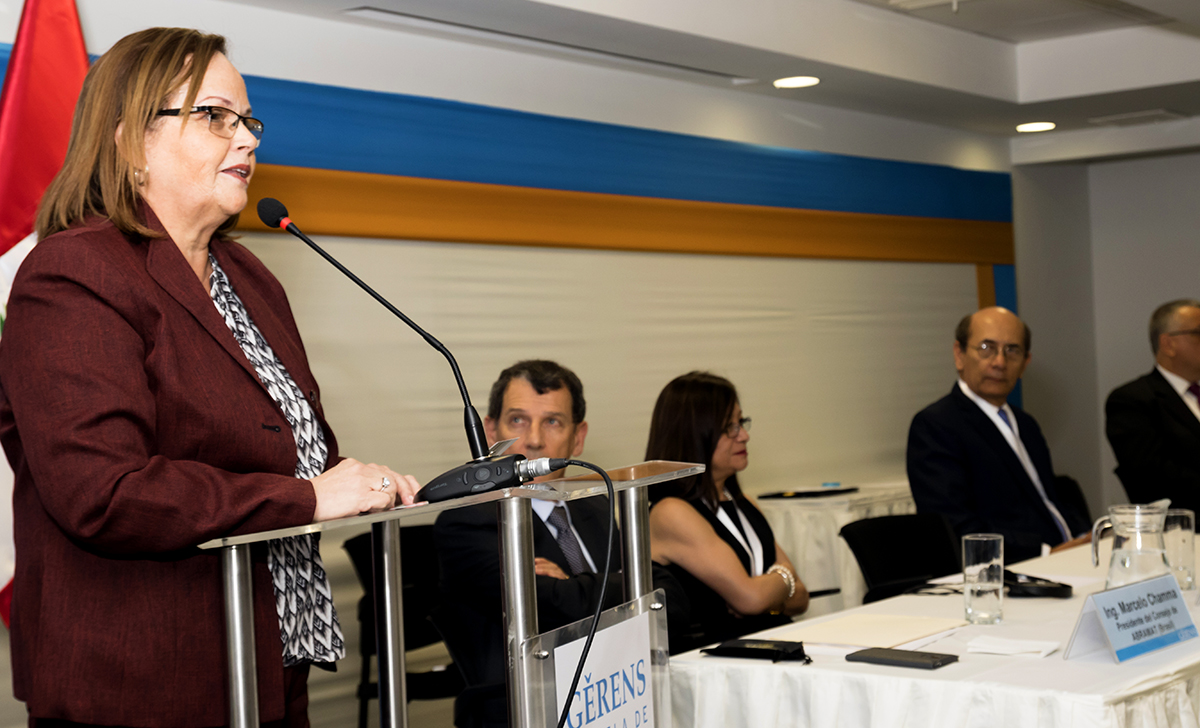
{"x":473,"y":478}
{"x":485,"y":475}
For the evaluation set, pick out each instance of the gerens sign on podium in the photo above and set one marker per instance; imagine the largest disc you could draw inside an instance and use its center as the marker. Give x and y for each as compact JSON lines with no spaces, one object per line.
{"x":615,"y":690}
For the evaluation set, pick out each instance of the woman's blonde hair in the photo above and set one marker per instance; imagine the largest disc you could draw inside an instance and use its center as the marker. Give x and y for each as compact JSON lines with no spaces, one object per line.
{"x":123,"y":90}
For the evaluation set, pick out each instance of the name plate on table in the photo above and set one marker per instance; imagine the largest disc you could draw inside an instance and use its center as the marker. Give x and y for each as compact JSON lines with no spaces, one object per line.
{"x":1132,"y":620}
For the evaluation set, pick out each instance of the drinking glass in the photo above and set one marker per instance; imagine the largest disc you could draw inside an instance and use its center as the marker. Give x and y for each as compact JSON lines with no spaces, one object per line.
{"x":983,"y":577}
{"x":1178,"y":533}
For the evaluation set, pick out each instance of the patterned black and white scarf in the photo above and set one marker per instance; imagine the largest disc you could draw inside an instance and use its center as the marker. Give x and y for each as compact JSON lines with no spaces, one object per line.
{"x":308,"y":621}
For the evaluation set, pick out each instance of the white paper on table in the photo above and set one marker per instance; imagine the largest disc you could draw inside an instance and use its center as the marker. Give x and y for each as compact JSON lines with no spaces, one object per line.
{"x":869,"y":630}
{"x":926,"y":641}
{"x":1001,"y":646}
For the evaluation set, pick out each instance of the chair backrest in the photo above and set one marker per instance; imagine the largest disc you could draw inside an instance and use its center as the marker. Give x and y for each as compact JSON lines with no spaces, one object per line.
{"x":419,"y":576}
{"x":1071,"y":495}
{"x":898,"y":552}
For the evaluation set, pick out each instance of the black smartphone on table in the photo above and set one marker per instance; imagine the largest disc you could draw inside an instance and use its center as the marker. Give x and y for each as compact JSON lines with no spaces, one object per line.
{"x":902,"y":658}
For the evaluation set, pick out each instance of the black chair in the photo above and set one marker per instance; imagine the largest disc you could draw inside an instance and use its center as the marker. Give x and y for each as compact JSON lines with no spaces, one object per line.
{"x":481,"y":704}
{"x":897,"y":553}
{"x":419,"y":576}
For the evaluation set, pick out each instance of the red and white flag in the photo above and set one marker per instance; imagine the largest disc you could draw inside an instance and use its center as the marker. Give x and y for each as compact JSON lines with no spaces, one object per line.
{"x":41,"y":86}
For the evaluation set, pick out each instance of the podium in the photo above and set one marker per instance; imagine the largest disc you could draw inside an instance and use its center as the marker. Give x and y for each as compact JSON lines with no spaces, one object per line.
{"x":516,"y":561}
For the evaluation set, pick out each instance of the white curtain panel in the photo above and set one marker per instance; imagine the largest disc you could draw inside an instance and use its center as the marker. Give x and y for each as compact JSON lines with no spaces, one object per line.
{"x":832,"y":358}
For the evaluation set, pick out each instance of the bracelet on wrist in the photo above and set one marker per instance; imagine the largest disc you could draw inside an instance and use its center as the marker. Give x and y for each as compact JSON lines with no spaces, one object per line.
{"x":789,"y":579}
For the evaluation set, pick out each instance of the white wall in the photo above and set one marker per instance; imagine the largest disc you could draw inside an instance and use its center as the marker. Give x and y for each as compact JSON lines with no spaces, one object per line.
{"x":1099,"y":247}
{"x":1145,"y":214}
{"x":1054,"y":296}
{"x":832,"y":358}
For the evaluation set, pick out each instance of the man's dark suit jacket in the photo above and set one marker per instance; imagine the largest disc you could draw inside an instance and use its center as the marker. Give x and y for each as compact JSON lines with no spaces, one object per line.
{"x":1156,"y":439}
{"x":961,"y":466}
{"x":468,"y":550}
{"x":137,"y":429}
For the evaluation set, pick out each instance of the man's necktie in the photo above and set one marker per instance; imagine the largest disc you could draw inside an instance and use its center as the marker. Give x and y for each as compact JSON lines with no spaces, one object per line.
{"x":1195,"y":390}
{"x":567,"y":541}
{"x":1004,"y":416}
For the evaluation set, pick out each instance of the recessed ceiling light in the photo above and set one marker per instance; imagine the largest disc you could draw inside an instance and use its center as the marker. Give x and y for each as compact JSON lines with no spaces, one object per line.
{"x":796,"y":81}
{"x":1036,"y":126}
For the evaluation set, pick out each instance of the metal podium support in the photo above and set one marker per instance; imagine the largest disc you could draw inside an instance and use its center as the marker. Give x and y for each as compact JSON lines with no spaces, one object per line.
{"x":635,"y":529}
{"x":239,"y":633}
{"x":389,"y":624}
{"x":520,"y":598}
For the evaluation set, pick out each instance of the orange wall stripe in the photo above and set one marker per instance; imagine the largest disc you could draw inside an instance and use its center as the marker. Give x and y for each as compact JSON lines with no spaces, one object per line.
{"x":328,"y":202}
{"x":985,"y":282}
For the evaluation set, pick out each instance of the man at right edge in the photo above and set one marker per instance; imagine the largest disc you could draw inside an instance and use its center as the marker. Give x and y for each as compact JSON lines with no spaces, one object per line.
{"x":1153,"y":422}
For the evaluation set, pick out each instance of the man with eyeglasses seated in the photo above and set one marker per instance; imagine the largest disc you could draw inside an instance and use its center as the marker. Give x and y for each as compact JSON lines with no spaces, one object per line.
{"x":1153,"y":422}
{"x":982,"y":462}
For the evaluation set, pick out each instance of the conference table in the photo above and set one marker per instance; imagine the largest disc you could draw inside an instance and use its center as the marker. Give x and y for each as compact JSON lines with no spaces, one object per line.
{"x":807,"y":528}
{"x":1157,"y":689}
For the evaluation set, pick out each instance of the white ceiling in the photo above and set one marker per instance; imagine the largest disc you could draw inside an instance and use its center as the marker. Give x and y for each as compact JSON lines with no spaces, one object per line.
{"x":985,"y":68}
{"x":1018,"y":21}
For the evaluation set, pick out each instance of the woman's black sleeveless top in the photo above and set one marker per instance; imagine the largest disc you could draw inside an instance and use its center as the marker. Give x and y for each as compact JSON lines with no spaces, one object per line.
{"x":710,"y":618}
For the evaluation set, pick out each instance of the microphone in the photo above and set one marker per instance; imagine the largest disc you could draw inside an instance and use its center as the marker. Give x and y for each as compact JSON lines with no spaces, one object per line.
{"x":503,"y":471}
{"x":498,"y":471}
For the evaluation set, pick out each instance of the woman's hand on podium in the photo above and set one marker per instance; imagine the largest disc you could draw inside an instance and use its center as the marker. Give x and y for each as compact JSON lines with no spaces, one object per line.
{"x":351,"y":487}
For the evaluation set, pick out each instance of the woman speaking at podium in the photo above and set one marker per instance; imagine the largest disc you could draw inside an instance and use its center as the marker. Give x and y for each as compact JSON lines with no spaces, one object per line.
{"x":712,"y":538}
{"x":155,"y":395}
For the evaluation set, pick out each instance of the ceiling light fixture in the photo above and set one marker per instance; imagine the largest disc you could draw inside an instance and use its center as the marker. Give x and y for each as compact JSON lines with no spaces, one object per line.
{"x":1035,"y":126}
{"x":797,"y":82}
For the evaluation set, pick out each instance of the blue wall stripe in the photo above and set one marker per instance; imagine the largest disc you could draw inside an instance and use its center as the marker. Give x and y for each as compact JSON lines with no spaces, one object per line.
{"x":1005,"y":279}
{"x":331,"y":127}
{"x":327,"y":127}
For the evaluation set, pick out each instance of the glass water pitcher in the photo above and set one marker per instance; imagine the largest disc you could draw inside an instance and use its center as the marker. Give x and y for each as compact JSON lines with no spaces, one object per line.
{"x":1138,"y":551}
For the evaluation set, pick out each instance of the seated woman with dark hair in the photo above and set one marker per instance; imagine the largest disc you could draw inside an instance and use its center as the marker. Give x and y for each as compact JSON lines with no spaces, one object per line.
{"x":704,"y":529}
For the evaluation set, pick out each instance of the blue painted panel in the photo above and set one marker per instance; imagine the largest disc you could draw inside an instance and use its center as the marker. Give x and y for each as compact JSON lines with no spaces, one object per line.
{"x":1004,"y":278}
{"x":327,"y":127}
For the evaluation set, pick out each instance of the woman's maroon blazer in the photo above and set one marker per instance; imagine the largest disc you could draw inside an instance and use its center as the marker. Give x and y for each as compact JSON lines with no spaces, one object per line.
{"x":136,"y":430}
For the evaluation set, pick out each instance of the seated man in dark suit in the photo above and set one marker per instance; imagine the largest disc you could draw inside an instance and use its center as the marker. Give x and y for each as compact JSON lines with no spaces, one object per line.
{"x":981,"y":462}
{"x":541,"y":403}
{"x":1153,"y":422}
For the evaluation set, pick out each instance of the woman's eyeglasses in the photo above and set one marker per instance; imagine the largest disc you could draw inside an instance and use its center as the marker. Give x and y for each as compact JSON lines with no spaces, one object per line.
{"x":221,"y":121}
{"x":733,"y":428}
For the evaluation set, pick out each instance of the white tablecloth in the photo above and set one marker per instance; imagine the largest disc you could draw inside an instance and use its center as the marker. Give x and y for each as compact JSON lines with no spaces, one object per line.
{"x":807,"y":529}
{"x":1160,"y":689}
